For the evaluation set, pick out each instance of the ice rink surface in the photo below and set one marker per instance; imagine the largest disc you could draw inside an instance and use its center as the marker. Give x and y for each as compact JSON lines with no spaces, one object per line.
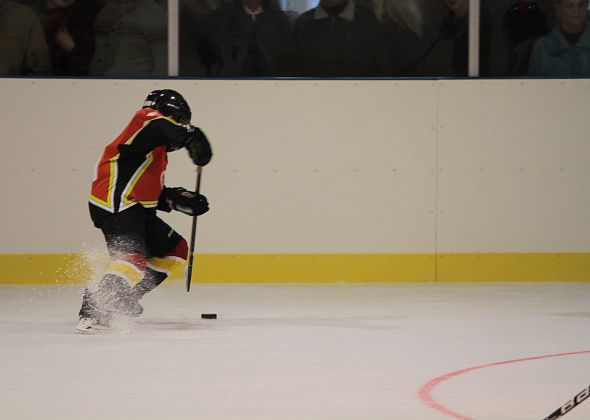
{"x":301,"y":352}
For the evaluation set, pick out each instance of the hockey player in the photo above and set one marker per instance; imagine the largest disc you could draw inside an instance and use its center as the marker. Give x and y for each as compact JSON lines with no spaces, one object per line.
{"x":125,"y":194}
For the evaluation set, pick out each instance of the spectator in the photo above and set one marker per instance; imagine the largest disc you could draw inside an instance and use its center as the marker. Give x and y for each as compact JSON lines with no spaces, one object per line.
{"x":402,"y":23}
{"x":249,"y":38}
{"x":565,"y":51}
{"x":195,"y":51}
{"x":523,"y":23}
{"x":455,"y":28}
{"x":339,"y":38}
{"x":42,"y":8}
{"x":70,"y":36}
{"x":23,"y":50}
{"x":130,"y":40}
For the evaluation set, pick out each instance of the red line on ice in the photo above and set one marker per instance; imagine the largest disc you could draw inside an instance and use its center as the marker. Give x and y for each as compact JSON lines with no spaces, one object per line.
{"x":425,"y":392}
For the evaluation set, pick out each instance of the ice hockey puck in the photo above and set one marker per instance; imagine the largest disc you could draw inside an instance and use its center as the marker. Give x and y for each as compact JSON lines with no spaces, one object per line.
{"x":209,"y":316}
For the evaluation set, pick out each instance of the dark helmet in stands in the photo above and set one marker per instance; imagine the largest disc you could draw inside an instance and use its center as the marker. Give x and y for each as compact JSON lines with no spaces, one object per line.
{"x":169,"y":103}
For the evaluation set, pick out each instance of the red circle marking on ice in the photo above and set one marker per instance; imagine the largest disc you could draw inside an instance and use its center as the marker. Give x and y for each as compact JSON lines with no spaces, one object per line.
{"x":425,"y":392}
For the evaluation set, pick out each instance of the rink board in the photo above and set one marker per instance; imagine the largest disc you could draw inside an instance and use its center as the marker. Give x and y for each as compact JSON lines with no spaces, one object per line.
{"x":320,"y":181}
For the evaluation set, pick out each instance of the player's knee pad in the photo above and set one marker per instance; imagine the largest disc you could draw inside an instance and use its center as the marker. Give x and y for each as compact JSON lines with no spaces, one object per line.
{"x":174,"y":258}
{"x":180,"y":250}
{"x":130,"y":266}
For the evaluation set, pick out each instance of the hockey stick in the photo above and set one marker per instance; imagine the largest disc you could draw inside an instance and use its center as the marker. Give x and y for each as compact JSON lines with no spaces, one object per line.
{"x":188,"y":270}
{"x":568,"y":406}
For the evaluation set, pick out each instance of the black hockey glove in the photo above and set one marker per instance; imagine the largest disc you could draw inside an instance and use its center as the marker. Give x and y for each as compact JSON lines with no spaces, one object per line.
{"x":183,"y":200}
{"x":198,"y":147}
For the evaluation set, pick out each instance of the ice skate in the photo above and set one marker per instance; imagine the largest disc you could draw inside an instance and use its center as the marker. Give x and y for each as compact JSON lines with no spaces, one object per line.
{"x":117,"y":305}
{"x":91,"y":326}
{"x":133,"y":308}
{"x":115,"y":297}
{"x":104,"y":311}
{"x":91,"y":319}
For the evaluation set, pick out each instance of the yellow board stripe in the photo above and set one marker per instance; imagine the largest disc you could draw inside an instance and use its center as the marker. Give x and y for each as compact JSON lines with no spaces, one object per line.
{"x":312,"y":268}
{"x":324,"y":268}
{"x":529,"y":267}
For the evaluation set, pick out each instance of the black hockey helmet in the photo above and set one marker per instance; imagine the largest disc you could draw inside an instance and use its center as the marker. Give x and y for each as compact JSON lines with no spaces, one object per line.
{"x":170,"y":103}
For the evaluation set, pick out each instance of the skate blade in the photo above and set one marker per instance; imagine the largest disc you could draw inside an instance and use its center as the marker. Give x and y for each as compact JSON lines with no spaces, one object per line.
{"x":93,"y":331}
{"x":116,"y":325}
{"x":102,"y":331}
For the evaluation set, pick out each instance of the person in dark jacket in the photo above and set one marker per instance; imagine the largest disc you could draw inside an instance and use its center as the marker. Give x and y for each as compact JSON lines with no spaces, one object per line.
{"x":339,"y":38}
{"x":249,"y":38}
{"x":23,"y":51}
{"x":523,"y":23}
{"x":70,"y":36}
{"x":130,"y":40}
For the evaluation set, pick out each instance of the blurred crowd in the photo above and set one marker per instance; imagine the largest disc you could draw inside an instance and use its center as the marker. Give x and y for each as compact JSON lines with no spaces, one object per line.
{"x":293,"y":38}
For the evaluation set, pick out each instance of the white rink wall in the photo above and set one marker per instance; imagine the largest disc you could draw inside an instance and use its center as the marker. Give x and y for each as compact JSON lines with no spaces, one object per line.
{"x":319,"y":166}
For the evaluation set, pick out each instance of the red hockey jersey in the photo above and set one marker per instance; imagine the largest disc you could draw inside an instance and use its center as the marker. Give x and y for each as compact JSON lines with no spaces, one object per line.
{"x":131,"y":168}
